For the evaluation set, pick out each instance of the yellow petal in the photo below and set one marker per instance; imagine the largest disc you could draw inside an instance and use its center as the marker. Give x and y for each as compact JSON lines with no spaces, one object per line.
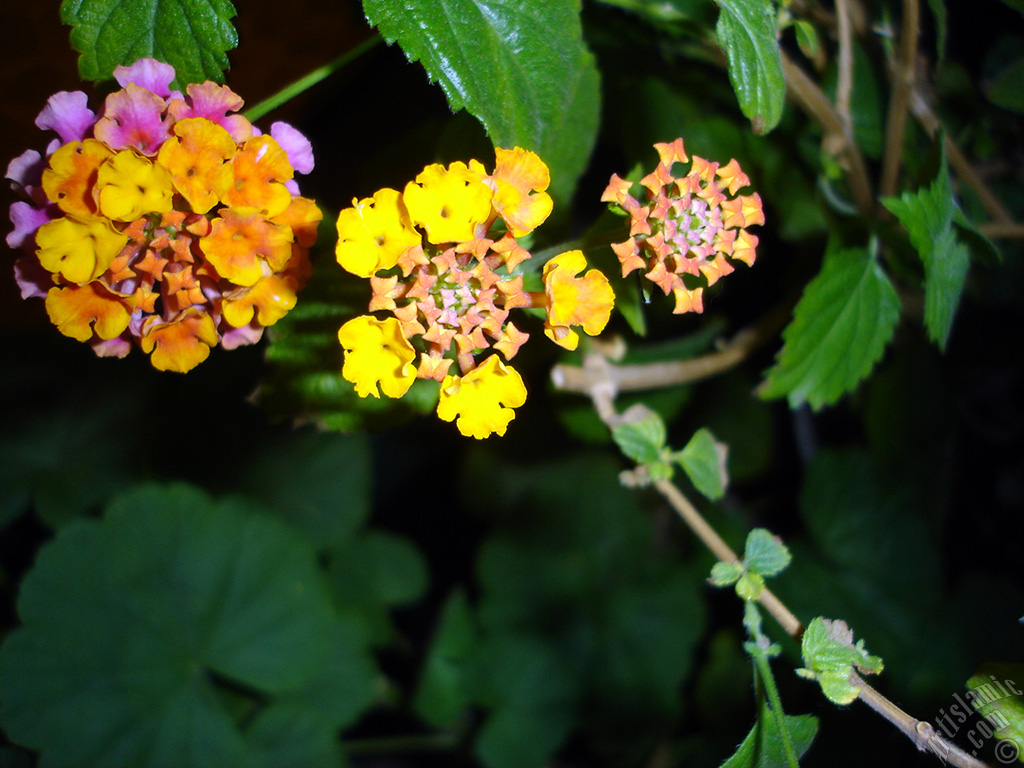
{"x":373,"y":233}
{"x":585,"y":301}
{"x":79,"y":249}
{"x":483,"y":400}
{"x":376,"y":352}
{"x":448,"y":202}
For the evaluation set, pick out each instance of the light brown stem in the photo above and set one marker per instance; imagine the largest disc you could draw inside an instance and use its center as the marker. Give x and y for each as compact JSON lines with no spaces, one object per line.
{"x":809,"y":96}
{"x":844,"y":82}
{"x":899,"y":100}
{"x":920,"y":732}
{"x":602,"y":393}
{"x":958,"y":160}
{"x":790,"y":624}
{"x":629,"y":378}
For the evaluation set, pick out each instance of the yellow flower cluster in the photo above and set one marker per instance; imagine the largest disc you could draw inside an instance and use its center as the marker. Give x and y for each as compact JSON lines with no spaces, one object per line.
{"x":442,"y":259}
{"x":168,"y":223}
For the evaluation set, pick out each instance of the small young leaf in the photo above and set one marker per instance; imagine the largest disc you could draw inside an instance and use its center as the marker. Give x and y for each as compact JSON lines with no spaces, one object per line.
{"x":642,"y":437}
{"x":765,"y":554}
{"x":763,"y":748}
{"x":443,"y":690}
{"x":703,"y":460}
{"x":840,"y":328}
{"x":807,"y":38}
{"x":520,"y":68}
{"x":724,"y":574}
{"x":191,"y":35}
{"x":750,"y":586}
{"x":831,"y":656}
{"x":746,"y":32}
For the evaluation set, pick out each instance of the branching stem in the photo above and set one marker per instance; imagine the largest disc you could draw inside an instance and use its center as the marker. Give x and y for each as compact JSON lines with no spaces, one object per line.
{"x":903,"y":76}
{"x":602,"y":392}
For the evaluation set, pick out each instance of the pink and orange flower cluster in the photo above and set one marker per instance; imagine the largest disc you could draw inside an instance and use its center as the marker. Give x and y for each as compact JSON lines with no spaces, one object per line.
{"x":689,"y":228}
{"x":167,"y":221}
{"x":443,"y":259}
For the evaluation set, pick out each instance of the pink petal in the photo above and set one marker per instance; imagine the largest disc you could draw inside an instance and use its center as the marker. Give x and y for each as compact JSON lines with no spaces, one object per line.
{"x":67,"y":113}
{"x":240,"y":337}
{"x":30,"y":276}
{"x":26,"y":170}
{"x":213,"y":102}
{"x":132,"y":117}
{"x":119,"y":346}
{"x":26,"y":220}
{"x":153,"y":75}
{"x":297,"y":146}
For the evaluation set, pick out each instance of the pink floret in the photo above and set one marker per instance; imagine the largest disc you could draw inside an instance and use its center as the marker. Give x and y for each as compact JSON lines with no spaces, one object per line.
{"x":132,"y":118}
{"x":297,"y":146}
{"x":26,"y":220}
{"x":234,"y":338}
{"x":153,"y":75}
{"x":32,"y":279}
{"x":67,"y":113}
{"x":213,"y":102}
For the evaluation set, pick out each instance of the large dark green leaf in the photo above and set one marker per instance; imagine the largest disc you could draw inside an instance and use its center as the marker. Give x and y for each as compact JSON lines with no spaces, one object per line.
{"x":840,"y":328}
{"x":746,"y":32}
{"x":167,"y":622}
{"x":520,"y":68}
{"x":192,"y":35}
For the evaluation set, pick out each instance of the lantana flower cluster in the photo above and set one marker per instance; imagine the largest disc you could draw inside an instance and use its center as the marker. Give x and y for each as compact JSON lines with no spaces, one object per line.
{"x":167,"y":221}
{"x":443,"y":259}
{"x":689,"y":228}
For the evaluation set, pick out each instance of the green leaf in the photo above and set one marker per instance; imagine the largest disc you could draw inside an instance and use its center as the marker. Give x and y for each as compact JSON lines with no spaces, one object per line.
{"x":841,"y":325}
{"x":723,"y":574}
{"x":807,"y":38}
{"x":443,"y":691}
{"x":831,"y":656}
{"x":750,"y":586}
{"x":520,"y":68}
{"x":763,"y":746}
{"x":938,"y":8}
{"x":641,"y":436}
{"x":140,"y":617}
{"x":703,"y":460}
{"x":765,"y":553}
{"x":995,"y":691}
{"x":191,"y":35}
{"x":746,"y":32}
{"x":928,"y":216}
{"x":529,"y":691}
{"x":318,"y":482}
{"x":1006,"y":89}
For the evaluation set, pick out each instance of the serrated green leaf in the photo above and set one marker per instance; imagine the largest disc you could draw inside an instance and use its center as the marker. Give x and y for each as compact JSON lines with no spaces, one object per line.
{"x":520,"y":68}
{"x":136,"y":617}
{"x":641,"y":438}
{"x":994,"y":690}
{"x":746,"y":32}
{"x":703,"y":460}
{"x":928,"y":217}
{"x":765,"y":553}
{"x":841,"y":325}
{"x":830,"y":657}
{"x":750,"y":586}
{"x":723,"y":574}
{"x":191,"y":35}
{"x":763,"y":746}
